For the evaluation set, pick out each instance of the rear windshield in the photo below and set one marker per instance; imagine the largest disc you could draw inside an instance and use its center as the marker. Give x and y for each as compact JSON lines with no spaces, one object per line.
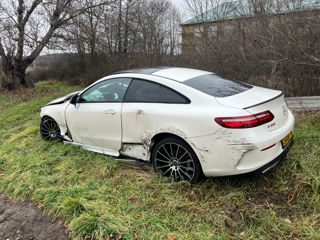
{"x":217,"y":86}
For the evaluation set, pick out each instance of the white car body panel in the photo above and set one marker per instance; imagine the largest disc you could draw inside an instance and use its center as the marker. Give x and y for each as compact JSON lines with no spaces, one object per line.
{"x":57,"y":112}
{"x":62,"y":99}
{"x":279,"y":109}
{"x":95,"y":149}
{"x":132,"y":127}
{"x":96,"y":125}
{"x":180,"y":74}
{"x":240,"y":148}
{"x":250,"y":97}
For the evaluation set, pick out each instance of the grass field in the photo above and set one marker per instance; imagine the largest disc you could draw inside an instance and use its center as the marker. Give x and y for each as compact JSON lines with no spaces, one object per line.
{"x":99,"y":198}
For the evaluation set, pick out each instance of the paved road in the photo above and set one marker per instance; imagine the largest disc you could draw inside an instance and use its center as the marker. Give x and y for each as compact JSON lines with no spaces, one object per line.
{"x":304,"y":103}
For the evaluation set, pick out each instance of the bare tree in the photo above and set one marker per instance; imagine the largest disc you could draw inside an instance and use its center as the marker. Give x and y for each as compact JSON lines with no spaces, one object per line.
{"x":172,"y":24}
{"x":27,"y":27}
{"x":263,"y":42}
{"x":84,"y":31}
{"x":142,"y":27}
{"x":123,"y":34}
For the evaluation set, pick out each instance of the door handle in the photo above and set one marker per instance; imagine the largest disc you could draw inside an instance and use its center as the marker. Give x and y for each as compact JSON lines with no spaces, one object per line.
{"x":110,"y":112}
{"x":140,"y":112}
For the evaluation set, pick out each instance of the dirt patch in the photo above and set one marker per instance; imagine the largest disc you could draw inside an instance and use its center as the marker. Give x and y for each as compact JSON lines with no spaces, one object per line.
{"x":23,"y":220}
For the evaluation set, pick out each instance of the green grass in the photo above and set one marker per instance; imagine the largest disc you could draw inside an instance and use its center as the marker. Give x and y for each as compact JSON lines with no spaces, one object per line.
{"x":99,"y":198}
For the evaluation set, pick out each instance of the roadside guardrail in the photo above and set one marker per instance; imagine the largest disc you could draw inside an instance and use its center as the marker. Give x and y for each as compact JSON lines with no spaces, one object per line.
{"x":311,"y":103}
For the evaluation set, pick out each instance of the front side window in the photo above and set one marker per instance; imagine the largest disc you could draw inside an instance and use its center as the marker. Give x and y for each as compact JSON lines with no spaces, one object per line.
{"x":150,"y":92}
{"x":112,"y":90}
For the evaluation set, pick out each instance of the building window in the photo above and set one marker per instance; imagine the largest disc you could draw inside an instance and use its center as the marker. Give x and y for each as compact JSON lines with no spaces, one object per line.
{"x":197,"y":48}
{"x":272,"y":23}
{"x":212,"y":31}
{"x":197,"y":31}
{"x":228,"y":28}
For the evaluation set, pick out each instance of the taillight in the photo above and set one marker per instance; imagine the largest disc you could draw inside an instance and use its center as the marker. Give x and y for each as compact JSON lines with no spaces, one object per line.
{"x":250,"y":121}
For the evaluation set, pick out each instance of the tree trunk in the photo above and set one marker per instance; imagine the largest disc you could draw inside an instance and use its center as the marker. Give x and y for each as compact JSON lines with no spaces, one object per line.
{"x":14,"y":76}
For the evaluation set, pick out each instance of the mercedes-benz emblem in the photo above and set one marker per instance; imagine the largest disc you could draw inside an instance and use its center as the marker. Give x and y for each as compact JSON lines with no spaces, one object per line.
{"x":284,"y":110}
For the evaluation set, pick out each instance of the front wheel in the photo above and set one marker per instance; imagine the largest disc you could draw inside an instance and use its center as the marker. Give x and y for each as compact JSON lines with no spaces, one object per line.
{"x":174,"y":158}
{"x":49,"y":129}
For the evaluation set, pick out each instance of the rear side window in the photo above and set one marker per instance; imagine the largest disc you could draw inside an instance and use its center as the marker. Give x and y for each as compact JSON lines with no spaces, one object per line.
{"x":149,"y":92}
{"x":217,"y":86}
{"x":143,"y":91}
{"x":171,"y":96}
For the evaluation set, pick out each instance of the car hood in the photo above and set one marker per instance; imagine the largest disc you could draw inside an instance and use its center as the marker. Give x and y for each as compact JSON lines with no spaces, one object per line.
{"x":62,"y":99}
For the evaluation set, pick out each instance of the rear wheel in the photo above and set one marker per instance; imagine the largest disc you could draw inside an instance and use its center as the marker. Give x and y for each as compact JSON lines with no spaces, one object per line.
{"x":174,"y":158}
{"x":49,"y":129}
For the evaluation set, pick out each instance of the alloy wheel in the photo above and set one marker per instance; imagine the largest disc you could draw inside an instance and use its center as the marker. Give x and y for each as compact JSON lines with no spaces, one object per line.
{"x":175,"y":161}
{"x":49,"y":129}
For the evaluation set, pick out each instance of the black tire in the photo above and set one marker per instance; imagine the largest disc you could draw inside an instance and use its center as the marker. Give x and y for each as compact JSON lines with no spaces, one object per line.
{"x":49,"y":129}
{"x":172,"y":157}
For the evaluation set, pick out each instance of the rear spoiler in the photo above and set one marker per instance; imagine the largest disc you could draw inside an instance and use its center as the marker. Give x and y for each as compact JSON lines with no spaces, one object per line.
{"x":269,"y":100}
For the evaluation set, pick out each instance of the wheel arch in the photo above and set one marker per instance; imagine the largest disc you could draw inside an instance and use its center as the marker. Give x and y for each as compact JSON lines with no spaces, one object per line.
{"x":51,"y":131}
{"x":160,"y":136}
{"x":61,"y":124}
{"x":46,"y":116}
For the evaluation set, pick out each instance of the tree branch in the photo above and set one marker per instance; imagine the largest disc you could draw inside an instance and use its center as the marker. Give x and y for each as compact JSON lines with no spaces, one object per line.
{"x":81,"y":11}
{"x":30,"y":11}
{"x":2,"y":52}
{"x":20,"y":27}
{"x":56,"y":21}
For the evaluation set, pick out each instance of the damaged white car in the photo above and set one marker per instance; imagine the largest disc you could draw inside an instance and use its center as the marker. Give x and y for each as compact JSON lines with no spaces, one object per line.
{"x":187,"y":123}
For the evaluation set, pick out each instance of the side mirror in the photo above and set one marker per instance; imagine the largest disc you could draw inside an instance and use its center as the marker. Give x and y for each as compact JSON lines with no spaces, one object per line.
{"x":73,"y":100}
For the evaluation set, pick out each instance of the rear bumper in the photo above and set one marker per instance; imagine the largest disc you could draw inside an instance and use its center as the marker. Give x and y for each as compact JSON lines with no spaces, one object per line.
{"x":236,"y":152}
{"x":266,"y":168}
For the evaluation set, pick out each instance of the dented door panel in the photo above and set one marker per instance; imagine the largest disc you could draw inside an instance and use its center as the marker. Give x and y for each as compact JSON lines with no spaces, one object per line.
{"x":90,"y":124}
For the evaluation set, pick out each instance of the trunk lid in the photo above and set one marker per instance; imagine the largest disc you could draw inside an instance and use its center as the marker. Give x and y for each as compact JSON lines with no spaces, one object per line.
{"x":257,"y":100}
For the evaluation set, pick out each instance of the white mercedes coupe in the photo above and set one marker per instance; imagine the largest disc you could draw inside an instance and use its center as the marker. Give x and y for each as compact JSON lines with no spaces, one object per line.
{"x":186,"y":122}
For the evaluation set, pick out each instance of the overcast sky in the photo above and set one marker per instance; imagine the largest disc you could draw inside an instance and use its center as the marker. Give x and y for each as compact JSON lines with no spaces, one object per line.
{"x":179,"y":2}
{"x":182,"y":7}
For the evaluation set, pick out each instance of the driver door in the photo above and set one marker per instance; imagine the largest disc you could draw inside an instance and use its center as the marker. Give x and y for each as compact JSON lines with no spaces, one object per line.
{"x":95,"y":120}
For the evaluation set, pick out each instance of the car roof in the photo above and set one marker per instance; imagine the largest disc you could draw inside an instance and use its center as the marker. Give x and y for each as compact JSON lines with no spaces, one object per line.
{"x":172,"y":73}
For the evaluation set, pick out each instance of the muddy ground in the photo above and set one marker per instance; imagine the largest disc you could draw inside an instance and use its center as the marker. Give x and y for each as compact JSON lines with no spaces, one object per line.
{"x":23,"y":220}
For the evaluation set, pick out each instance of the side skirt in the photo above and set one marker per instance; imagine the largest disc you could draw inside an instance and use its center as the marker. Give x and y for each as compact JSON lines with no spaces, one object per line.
{"x":136,"y":151}
{"x":128,"y":161}
{"x":134,"y":163}
{"x":95,"y":149}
